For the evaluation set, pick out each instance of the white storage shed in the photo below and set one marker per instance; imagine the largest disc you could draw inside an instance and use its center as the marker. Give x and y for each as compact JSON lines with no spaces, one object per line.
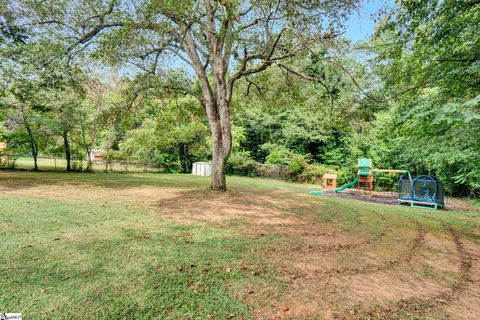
{"x":202,"y":169}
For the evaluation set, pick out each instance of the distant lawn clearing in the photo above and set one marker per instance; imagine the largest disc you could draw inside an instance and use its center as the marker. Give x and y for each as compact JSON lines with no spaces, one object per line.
{"x":158,"y":246}
{"x":60,"y":164}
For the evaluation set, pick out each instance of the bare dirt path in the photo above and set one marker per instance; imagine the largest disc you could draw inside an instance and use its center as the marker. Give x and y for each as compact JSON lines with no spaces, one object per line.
{"x":330,"y":271}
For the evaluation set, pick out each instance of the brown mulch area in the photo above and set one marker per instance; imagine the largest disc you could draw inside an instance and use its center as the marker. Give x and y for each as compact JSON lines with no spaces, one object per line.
{"x":453,"y":204}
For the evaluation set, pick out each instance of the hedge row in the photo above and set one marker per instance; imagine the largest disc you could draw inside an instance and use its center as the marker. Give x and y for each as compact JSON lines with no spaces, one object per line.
{"x":299,"y":169}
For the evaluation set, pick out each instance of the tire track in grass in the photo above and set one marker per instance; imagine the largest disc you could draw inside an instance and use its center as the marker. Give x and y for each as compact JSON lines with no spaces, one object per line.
{"x":424,"y":306}
{"x":445,"y":297}
{"x":336,"y":247}
{"x":417,"y":243}
{"x":413,"y":250}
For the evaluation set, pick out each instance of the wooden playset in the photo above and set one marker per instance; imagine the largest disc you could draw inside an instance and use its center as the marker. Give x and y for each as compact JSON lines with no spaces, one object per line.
{"x":365,"y":175}
{"x":422,"y":191}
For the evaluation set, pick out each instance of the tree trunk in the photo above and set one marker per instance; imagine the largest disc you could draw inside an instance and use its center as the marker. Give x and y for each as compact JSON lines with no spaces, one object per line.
{"x":66,"y":144}
{"x":218,"y":182}
{"x":89,"y":161}
{"x":35,"y":162}
{"x":185,"y":154}
{"x":86,"y":145}
{"x":215,"y":97}
{"x":106,"y":161}
{"x":33,"y":146}
{"x":33,"y":143}
{"x":88,"y":150}
{"x":218,"y":113}
{"x":221,"y":148}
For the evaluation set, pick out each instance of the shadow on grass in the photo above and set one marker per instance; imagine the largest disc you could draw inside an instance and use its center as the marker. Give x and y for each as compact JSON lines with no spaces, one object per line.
{"x":14,"y":179}
{"x":29,"y":179}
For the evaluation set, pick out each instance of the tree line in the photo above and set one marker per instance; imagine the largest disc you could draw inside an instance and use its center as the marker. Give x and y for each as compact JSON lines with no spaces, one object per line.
{"x":244,"y":83}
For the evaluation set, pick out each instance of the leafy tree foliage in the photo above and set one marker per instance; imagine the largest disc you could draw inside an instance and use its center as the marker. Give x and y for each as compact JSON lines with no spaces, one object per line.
{"x":272,"y":82}
{"x":428,"y":58}
{"x":284,"y":114}
{"x":221,"y":41}
{"x":170,"y":133}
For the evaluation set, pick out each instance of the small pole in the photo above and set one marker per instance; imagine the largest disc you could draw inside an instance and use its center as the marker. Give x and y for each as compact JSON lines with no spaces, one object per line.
{"x":55,"y":161}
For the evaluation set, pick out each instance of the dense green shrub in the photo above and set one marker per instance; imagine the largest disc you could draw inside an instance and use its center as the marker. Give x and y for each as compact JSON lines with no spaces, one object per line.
{"x":300,"y":169}
{"x":297,"y":165}
{"x":241,"y":163}
{"x":271,"y":170}
{"x":278,"y":154}
{"x":385,"y":182}
{"x":313,"y":173}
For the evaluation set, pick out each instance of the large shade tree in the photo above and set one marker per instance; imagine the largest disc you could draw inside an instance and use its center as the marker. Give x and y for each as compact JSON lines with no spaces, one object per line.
{"x":220,"y":41}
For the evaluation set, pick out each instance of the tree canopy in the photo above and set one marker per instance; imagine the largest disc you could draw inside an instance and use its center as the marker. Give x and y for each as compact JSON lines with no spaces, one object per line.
{"x":245,"y":84}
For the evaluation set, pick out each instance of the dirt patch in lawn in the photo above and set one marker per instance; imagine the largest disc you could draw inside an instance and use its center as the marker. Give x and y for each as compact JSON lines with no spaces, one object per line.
{"x":466,"y":305}
{"x":83,"y":192}
{"x":456,"y":289}
{"x":355,"y":276}
{"x":205,"y":206}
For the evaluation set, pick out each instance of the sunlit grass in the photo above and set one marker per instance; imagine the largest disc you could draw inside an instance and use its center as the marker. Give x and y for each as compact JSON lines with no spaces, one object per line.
{"x":96,"y":257}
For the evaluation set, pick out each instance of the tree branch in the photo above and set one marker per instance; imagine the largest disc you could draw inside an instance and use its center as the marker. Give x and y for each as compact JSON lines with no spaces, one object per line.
{"x":304,"y":76}
{"x":250,"y":83}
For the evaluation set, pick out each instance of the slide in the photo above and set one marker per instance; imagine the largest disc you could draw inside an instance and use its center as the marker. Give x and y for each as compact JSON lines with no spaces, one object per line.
{"x":346,"y":186}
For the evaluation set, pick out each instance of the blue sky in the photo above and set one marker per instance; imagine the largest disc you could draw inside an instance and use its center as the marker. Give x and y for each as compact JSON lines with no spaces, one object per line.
{"x":361,"y":26}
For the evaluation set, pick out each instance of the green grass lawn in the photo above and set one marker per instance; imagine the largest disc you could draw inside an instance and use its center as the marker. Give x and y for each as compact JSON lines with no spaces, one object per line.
{"x":159,"y":246}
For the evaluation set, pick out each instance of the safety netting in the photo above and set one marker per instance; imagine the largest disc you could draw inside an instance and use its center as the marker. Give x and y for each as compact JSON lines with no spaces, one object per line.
{"x":425,"y":189}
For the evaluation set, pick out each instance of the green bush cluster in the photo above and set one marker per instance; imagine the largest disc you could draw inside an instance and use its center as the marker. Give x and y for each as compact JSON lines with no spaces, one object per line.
{"x":313,"y":173}
{"x":300,"y":169}
{"x":240,"y":163}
